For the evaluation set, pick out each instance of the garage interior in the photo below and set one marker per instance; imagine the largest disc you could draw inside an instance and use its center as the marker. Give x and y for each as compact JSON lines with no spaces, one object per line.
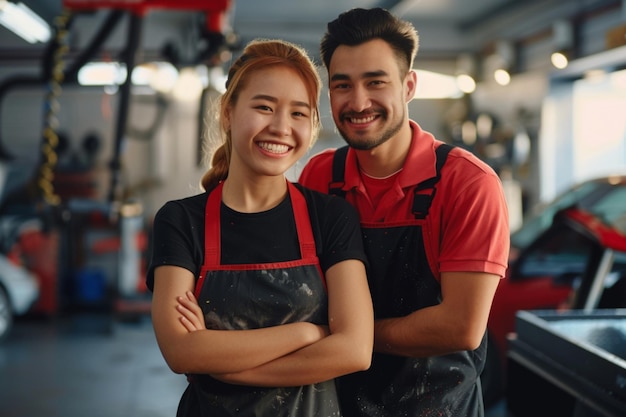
{"x":88,"y":154}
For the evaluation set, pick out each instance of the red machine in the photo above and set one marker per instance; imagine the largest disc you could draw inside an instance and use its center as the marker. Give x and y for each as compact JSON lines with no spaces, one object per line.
{"x":215,"y":9}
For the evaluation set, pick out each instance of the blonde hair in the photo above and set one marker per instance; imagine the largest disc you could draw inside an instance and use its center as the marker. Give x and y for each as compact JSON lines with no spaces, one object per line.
{"x":260,"y":54}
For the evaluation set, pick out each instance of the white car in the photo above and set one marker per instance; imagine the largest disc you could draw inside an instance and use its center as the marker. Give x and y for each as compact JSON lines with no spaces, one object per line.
{"x":19,"y":289}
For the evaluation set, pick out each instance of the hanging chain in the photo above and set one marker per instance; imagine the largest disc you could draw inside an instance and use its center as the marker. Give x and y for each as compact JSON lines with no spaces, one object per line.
{"x":50,"y":138}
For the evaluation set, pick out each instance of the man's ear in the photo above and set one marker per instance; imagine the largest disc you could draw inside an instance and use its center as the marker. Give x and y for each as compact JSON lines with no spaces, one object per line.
{"x":411,"y":85}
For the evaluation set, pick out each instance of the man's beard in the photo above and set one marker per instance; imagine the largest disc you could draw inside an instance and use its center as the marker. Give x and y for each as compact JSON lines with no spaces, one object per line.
{"x":370,"y":144}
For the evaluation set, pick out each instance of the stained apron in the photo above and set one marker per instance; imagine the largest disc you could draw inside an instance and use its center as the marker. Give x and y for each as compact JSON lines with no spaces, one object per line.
{"x":250,"y":296}
{"x":401,"y":282}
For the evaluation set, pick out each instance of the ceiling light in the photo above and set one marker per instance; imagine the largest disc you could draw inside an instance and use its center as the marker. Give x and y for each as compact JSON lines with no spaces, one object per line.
{"x":160,"y":76}
{"x":500,"y":62}
{"x":563,"y":41}
{"x":24,"y":22}
{"x":163,"y":76}
{"x":435,"y":85}
{"x":466,"y":83}
{"x":102,"y":73}
{"x":465,"y":71}
{"x":188,"y":86}
{"x":502,"y":76}
{"x":559,"y":60}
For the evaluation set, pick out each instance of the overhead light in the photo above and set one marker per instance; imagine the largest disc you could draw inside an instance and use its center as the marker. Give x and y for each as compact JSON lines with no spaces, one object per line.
{"x":102,"y":73}
{"x":506,"y":53}
{"x":563,"y":41}
{"x":500,"y":62}
{"x":465,"y":70}
{"x":160,"y":76}
{"x":433,"y":85}
{"x":24,"y":22}
{"x":466,"y":83}
{"x":559,"y":59}
{"x":188,"y":86}
{"x":502,"y":76}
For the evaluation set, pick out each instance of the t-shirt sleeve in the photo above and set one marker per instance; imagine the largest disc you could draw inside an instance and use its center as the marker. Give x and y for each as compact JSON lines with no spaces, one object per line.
{"x":174,"y":241}
{"x":339,"y":229}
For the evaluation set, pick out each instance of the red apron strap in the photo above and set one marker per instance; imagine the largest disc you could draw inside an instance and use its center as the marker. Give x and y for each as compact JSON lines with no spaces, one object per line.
{"x":303,"y":222}
{"x":212,"y":237}
{"x":212,"y":225}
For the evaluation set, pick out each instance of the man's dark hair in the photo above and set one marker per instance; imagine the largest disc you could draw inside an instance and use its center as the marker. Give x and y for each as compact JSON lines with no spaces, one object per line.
{"x":357,"y":26}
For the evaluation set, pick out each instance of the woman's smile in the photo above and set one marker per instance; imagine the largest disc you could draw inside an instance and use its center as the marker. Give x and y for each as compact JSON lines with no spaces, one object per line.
{"x":275,"y":148}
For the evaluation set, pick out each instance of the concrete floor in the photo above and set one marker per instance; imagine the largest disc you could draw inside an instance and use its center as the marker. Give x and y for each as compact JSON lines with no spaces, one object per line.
{"x":90,"y":366}
{"x":86,"y":366}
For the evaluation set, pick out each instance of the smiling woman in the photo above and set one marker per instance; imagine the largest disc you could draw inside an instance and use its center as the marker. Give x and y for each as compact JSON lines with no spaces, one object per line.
{"x":260,"y":293}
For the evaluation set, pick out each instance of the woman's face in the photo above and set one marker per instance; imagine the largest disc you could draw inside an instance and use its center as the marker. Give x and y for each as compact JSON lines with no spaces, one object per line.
{"x":271,"y":122}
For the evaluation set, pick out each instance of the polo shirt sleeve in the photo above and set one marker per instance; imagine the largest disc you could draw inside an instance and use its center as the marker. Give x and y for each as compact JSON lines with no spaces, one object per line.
{"x":475,"y":226}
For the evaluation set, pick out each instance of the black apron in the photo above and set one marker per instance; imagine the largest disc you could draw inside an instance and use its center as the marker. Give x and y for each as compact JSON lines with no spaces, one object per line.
{"x":254,"y":296}
{"x":401,"y":282}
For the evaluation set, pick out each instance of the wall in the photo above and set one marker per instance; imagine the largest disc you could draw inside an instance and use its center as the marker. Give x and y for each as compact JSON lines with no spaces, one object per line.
{"x":584,"y":131}
{"x":154,"y":168}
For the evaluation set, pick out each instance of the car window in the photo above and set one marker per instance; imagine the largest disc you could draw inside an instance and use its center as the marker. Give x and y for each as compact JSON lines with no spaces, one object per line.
{"x":611,"y":208}
{"x":541,"y":218}
{"x":600,"y":197}
{"x":562,"y":253}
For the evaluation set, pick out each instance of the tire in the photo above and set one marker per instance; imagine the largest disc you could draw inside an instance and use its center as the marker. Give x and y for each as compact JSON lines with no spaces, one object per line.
{"x":492,"y":376}
{"x":6,"y":314}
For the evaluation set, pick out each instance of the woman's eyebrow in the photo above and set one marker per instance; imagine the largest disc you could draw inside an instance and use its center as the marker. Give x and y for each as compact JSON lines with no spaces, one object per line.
{"x":275,"y":100}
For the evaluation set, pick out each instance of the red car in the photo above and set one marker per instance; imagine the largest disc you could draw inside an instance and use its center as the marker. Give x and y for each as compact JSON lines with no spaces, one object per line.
{"x":578,"y":261}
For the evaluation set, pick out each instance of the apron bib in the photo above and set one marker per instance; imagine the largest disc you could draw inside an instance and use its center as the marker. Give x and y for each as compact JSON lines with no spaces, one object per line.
{"x":249,"y":296}
{"x":401,"y":282}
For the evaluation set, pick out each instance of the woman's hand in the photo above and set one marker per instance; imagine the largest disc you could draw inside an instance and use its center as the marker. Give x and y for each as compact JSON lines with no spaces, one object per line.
{"x":191,"y":317}
{"x":317,"y":332}
{"x":177,"y":317}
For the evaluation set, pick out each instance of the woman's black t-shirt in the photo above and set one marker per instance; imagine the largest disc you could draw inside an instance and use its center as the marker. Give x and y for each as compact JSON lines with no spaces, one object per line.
{"x":252,"y":238}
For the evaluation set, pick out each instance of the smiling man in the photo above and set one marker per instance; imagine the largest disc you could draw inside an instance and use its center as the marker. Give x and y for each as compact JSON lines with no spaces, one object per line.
{"x":434,"y":224}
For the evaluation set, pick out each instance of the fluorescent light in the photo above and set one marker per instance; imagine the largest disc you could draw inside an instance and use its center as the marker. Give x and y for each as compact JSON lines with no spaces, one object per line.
{"x":102,"y":73}
{"x":163,"y":78}
{"x":160,"y":76}
{"x":189,"y":86}
{"x":24,"y":22}
{"x":466,"y":83}
{"x":433,"y":85}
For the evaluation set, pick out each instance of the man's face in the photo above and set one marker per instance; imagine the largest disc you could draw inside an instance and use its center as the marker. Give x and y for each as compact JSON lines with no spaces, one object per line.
{"x":368,"y":93}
